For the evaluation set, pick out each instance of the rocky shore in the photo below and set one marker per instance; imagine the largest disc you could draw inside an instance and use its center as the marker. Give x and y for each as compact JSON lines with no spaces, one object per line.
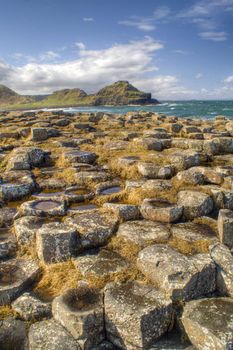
{"x":116,"y":232}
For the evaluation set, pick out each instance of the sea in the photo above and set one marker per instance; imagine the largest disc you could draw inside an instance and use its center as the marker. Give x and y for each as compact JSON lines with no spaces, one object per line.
{"x":183,"y":109}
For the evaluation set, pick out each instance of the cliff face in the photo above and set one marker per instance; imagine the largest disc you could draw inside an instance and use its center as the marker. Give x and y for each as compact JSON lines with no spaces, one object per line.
{"x":8,"y":96}
{"x":119,"y":93}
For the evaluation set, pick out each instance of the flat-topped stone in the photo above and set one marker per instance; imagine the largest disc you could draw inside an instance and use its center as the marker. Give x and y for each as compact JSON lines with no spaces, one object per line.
{"x":143,"y":232}
{"x":15,"y":276}
{"x":195,"y":204}
{"x":94,"y":228}
{"x":50,"y":335}
{"x":209,"y":323}
{"x":43,"y":208}
{"x":178,"y":276}
{"x":161,"y":210}
{"x":136,"y":315}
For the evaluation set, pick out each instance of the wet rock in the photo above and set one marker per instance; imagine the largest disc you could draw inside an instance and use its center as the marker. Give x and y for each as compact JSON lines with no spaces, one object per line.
{"x":152,"y":171}
{"x":95,"y":228}
{"x":25,"y":229}
{"x":43,"y":208}
{"x":108,"y":188}
{"x":191,"y":238}
{"x":50,"y":335}
{"x":143,"y":232}
{"x":15,"y":276}
{"x":160,"y":210}
{"x":225,"y":227}
{"x":80,"y":311}
{"x":223,"y":258}
{"x":56,"y":242}
{"x":209,"y":323}
{"x":178,"y":276}
{"x":101,"y":264}
{"x":31,"y":308}
{"x":124,"y":212}
{"x":195,"y":204}
{"x":13,"y":334}
{"x":136,"y":315}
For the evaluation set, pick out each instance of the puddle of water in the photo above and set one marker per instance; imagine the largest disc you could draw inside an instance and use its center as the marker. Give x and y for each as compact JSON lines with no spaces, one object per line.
{"x":111,"y":190}
{"x":46,"y":205}
{"x":77,"y":191}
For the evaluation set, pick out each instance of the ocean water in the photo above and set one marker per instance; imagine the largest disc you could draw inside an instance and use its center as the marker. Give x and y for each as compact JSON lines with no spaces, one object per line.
{"x":193,"y":109}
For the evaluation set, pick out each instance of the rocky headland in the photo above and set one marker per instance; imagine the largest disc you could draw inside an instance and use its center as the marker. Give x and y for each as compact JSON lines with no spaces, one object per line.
{"x":117,"y":94}
{"x":116,"y":231}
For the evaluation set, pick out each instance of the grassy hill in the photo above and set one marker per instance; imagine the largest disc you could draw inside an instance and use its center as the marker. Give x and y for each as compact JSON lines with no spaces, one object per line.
{"x":119,"y":93}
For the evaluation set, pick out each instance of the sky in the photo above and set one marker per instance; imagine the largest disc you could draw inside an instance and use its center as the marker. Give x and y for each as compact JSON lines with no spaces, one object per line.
{"x":174,"y":49}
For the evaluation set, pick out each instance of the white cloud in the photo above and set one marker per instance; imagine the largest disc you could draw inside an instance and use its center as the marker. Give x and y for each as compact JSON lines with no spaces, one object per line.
{"x":144,"y":24}
{"x":92,"y":70}
{"x":49,"y":56}
{"x":88,"y":19}
{"x":80,"y":45}
{"x":213,"y":36}
{"x":161,"y":12}
{"x":229,"y":80}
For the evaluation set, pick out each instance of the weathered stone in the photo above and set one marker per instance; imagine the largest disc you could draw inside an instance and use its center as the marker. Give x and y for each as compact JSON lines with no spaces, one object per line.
{"x":15,"y":276}
{"x":148,"y":144}
{"x":225,"y":227}
{"x":191,"y":238}
{"x":136,"y":315}
{"x":43,"y":208}
{"x":101,"y":264}
{"x":25,"y":158}
{"x":143,"y":232}
{"x":16,"y":185}
{"x":178,"y":276}
{"x":25,"y":229}
{"x":76,"y":156}
{"x":195,"y":204}
{"x":160,"y":210}
{"x":152,"y":171}
{"x":7,"y":216}
{"x":185,"y":160}
{"x":13,"y":334}
{"x":31,"y":308}
{"x":157,"y":185}
{"x":124,"y":212}
{"x":209,"y":323}
{"x":56,"y":242}
{"x":95,"y":228}
{"x":172,"y":341}
{"x":224,"y":261}
{"x":38,"y":134}
{"x":7,"y":243}
{"x":80,"y":311}
{"x":50,"y":335}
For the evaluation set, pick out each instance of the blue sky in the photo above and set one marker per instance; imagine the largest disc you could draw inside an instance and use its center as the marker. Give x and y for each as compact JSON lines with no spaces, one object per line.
{"x":174,"y":49}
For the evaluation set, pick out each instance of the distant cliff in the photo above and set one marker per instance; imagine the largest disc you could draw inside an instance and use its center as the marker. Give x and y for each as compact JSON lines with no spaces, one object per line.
{"x":119,"y":93}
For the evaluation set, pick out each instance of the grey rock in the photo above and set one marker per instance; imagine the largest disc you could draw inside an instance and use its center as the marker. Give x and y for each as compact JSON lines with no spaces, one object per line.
{"x":31,"y":308}
{"x":178,"y":276}
{"x":124,"y":212}
{"x":25,"y":229}
{"x":209,"y":323}
{"x":161,"y":210}
{"x":13,"y":334}
{"x":56,"y":242}
{"x":15,"y":276}
{"x":50,"y":335}
{"x":136,"y":315}
{"x":80,"y":311}
{"x":225,"y":227}
{"x":195,"y":204}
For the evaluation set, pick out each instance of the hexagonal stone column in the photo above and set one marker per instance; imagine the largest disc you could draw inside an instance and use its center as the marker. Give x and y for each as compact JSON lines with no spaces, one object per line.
{"x":209,"y":323}
{"x":95,"y":228}
{"x":80,"y":311}
{"x":225,"y":227}
{"x":56,"y":242}
{"x":50,"y":335}
{"x":15,"y":276}
{"x":136,"y":315}
{"x":178,"y":276}
{"x":195,"y":204}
